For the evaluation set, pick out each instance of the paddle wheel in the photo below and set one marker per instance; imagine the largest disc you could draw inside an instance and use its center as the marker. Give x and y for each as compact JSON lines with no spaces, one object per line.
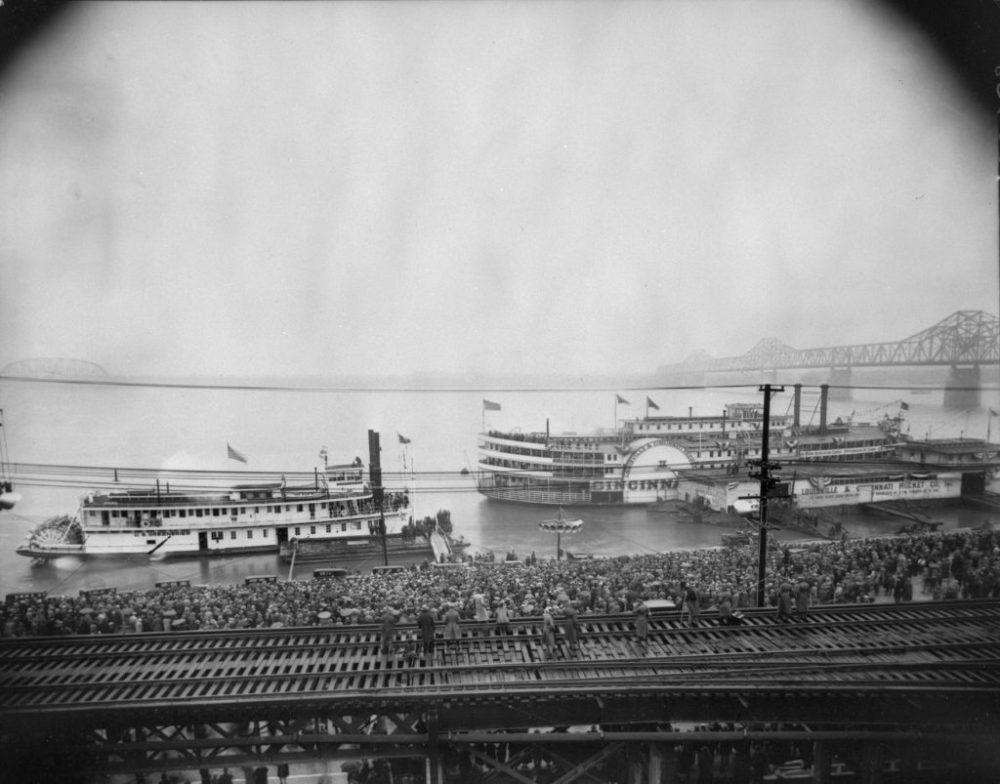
{"x":61,"y":535}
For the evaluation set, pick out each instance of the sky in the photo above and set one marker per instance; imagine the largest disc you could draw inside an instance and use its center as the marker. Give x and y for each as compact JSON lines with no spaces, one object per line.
{"x":315,"y":188}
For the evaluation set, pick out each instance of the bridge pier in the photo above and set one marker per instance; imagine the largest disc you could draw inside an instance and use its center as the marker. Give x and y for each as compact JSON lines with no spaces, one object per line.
{"x":840,"y":383}
{"x":662,"y":764}
{"x":821,"y":763}
{"x":961,"y":388}
{"x":871,"y":763}
{"x":433,"y":768}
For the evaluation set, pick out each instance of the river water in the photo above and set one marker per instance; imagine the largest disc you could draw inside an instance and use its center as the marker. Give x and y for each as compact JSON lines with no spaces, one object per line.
{"x":284,"y":430}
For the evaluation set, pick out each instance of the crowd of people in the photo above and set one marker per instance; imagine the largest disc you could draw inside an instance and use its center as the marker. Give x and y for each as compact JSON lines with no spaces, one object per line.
{"x":944,"y":565}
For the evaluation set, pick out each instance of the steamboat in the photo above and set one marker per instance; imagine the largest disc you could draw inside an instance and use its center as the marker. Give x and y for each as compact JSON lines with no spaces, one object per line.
{"x":337,"y":509}
{"x":641,"y":461}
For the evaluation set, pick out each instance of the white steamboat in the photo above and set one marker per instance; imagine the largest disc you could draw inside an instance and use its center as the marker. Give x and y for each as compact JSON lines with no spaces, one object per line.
{"x":641,"y":462}
{"x":339,"y":507}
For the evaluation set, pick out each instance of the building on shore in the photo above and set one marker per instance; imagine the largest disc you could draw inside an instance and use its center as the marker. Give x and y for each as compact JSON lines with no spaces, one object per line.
{"x":921,"y":471}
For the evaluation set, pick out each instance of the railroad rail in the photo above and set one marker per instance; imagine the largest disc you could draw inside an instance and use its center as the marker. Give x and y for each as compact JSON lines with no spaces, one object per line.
{"x":913,"y":671}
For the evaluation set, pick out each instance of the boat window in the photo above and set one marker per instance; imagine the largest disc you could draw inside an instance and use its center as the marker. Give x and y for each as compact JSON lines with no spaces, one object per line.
{"x":183,"y":512}
{"x":232,"y":534}
{"x":329,"y":528}
{"x":298,"y":531}
{"x":199,"y":512}
{"x":312,"y":529}
{"x":249,"y":534}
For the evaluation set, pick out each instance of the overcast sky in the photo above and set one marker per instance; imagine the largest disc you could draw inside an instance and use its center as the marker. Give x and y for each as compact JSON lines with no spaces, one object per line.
{"x":236,"y":188}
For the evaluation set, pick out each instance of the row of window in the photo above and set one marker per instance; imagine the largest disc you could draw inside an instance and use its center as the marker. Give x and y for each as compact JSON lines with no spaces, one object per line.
{"x":556,"y":470}
{"x":218,"y":536}
{"x":224,"y":511}
{"x":355,"y":525}
{"x":341,"y":509}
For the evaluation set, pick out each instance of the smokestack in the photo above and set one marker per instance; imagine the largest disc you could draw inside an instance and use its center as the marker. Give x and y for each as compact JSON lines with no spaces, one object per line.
{"x":375,"y":467}
{"x":797,"y":417}
{"x":824,"y":392}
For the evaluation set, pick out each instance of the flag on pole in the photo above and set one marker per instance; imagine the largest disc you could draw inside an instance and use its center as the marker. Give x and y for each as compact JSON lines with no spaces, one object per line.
{"x":904,"y":405}
{"x":489,"y":405}
{"x":993,"y":413}
{"x":234,"y":455}
{"x":651,"y":404}
{"x":623,"y":401}
{"x":402,"y":439}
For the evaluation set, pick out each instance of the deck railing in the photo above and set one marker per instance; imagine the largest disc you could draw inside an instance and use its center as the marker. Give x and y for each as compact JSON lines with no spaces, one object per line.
{"x":529,"y":495}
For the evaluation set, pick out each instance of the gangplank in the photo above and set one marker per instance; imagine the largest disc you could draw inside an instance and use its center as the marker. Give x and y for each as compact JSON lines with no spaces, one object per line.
{"x":919,"y":680}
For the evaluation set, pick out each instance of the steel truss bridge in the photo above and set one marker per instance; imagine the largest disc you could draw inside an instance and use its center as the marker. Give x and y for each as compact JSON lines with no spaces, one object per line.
{"x":967,"y":337}
{"x":963,"y":344}
{"x":867,"y":689}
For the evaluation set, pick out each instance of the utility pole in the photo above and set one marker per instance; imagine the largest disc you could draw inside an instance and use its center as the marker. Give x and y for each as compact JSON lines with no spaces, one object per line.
{"x":767,"y":484}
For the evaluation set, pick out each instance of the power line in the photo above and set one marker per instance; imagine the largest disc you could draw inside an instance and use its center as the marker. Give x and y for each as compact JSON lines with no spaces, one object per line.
{"x":477,"y":389}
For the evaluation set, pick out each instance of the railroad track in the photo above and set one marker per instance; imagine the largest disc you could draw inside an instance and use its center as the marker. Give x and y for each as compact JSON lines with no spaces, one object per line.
{"x":935,"y":646}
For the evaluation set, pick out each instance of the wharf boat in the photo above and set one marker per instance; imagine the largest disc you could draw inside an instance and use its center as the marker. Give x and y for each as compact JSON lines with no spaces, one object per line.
{"x":641,"y":461}
{"x":339,"y":505}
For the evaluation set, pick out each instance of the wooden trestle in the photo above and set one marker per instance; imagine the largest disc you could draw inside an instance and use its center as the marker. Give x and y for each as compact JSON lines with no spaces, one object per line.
{"x":916,"y":681}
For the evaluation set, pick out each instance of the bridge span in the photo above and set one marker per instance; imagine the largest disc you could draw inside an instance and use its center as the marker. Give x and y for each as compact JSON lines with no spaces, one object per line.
{"x":963,"y":344}
{"x":859,"y":684}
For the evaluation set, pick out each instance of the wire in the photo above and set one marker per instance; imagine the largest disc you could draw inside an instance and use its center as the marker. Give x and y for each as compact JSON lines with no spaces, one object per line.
{"x":136,"y":480}
{"x":360,"y":388}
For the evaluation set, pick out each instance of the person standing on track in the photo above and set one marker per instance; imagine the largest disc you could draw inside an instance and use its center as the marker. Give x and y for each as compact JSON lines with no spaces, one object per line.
{"x":549,"y":633}
{"x":692,"y":604}
{"x":425,"y":620}
{"x":388,"y":631}
{"x":642,"y":626}
{"x":452,"y":631}
{"x":503,"y":618}
{"x":785,"y":603}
